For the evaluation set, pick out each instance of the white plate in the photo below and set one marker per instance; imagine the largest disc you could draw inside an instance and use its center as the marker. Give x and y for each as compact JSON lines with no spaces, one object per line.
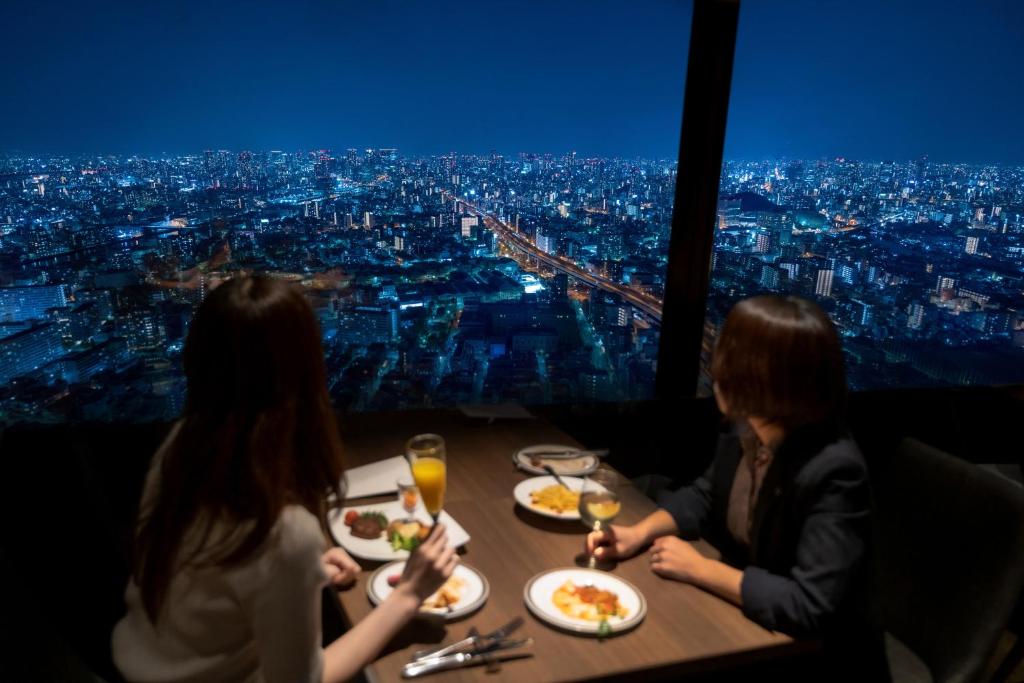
{"x":474,"y":592}
{"x":524,"y":488}
{"x":540,"y":589}
{"x":379,"y":549}
{"x":574,"y":467}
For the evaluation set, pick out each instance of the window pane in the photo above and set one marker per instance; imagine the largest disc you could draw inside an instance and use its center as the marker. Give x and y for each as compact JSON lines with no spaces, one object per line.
{"x":475,"y":196}
{"x":872,"y":165}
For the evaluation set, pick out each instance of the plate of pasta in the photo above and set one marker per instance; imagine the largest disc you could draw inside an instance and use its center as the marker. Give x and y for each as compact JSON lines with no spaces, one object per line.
{"x":585,"y":601}
{"x":545,"y":496}
{"x":464,"y":592}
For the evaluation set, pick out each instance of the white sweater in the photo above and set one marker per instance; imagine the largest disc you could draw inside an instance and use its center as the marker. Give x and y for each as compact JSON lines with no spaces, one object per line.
{"x":258,"y":621}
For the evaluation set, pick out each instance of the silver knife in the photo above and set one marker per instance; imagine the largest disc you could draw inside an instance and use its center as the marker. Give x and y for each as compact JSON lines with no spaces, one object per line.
{"x":566,"y":454}
{"x":477,"y":642}
{"x":461,"y":659}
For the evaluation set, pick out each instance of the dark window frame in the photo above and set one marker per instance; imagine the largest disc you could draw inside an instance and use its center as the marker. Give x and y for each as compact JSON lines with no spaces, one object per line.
{"x":701,"y":146}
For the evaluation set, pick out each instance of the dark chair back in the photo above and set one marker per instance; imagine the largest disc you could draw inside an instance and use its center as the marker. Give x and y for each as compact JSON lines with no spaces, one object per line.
{"x":949,"y":558}
{"x":68,"y":502}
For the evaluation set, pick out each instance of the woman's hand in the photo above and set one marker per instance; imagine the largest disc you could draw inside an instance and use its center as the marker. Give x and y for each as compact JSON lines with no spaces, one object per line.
{"x":341,"y":569}
{"x":616,"y":542}
{"x":430,"y":565}
{"x":673,"y":558}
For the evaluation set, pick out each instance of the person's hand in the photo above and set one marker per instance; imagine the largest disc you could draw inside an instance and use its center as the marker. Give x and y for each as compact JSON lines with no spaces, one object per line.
{"x":673,"y":558}
{"x":341,"y":569}
{"x":615,"y":542}
{"x":430,"y":565}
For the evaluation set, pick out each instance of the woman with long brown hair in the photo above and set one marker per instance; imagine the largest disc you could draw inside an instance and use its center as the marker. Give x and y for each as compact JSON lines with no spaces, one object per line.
{"x":232,"y":547}
{"x":786,"y":499}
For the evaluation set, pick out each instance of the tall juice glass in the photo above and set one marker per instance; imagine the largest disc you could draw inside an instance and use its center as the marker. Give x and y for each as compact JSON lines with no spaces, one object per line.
{"x":427,"y":460}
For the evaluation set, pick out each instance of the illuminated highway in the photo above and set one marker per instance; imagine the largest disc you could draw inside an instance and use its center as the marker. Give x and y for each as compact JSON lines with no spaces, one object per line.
{"x":650,"y":306}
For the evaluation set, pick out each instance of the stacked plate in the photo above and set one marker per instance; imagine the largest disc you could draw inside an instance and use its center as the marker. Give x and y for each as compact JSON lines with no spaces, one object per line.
{"x":559,"y":457}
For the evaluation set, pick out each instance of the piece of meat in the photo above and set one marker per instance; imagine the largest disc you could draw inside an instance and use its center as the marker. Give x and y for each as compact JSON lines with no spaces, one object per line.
{"x":367,"y":527}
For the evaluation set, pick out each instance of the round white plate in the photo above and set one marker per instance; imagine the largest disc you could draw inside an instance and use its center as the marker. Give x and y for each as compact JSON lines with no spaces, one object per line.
{"x":540,"y":589}
{"x":573,"y":467}
{"x":524,"y":488}
{"x":379,"y":549}
{"x":474,"y":592}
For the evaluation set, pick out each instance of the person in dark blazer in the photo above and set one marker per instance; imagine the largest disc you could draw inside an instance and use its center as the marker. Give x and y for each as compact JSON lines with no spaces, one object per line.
{"x":786,"y":499}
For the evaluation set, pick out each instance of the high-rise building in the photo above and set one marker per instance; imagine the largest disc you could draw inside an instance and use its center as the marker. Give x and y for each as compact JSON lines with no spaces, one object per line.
{"x":823,"y":287}
{"x":30,"y":302}
{"x":246,"y":170}
{"x":762,"y":242}
{"x":545,"y":243}
{"x":862,"y":312}
{"x":29,"y":349}
{"x":972,"y":245}
{"x":368,"y":324}
{"x":559,"y":287}
{"x":791,"y":268}
{"x":915,"y":316}
{"x":322,"y":171}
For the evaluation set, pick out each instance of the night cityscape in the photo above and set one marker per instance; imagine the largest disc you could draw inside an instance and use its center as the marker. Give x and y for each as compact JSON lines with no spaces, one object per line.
{"x":440,"y":280}
{"x":443,"y":272}
{"x":465,"y":279}
{"x":919,"y":264}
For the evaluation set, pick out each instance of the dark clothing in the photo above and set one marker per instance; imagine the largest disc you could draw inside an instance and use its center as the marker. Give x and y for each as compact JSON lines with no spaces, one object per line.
{"x":806,"y":567}
{"x":746,"y":486}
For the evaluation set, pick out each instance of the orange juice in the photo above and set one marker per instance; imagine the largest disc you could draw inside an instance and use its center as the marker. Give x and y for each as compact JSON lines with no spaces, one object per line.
{"x":429,"y":474}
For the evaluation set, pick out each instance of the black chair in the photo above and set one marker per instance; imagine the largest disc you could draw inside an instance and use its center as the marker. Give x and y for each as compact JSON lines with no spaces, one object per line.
{"x":1015,"y":657}
{"x":949,"y":561}
{"x":68,"y":500}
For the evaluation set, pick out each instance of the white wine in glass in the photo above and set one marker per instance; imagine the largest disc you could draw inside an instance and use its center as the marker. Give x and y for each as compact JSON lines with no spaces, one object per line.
{"x":599,"y":502}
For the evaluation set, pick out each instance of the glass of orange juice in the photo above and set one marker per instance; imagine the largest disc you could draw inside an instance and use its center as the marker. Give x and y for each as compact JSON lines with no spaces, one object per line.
{"x":427,"y":460}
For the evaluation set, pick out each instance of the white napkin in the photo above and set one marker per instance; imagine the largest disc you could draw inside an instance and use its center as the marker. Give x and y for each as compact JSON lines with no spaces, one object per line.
{"x":377,"y":478}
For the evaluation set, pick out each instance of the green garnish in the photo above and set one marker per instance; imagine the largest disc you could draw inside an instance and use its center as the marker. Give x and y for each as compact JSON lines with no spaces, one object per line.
{"x":604,"y":628}
{"x":400,"y":542}
{"x":374,"y":514}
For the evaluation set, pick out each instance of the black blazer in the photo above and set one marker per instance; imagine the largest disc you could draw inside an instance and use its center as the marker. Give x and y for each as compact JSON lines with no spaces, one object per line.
{"x":806,"y":570}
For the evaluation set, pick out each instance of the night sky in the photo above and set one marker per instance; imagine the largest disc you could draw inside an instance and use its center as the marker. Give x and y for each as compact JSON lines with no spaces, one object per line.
{"x":868,"y":79}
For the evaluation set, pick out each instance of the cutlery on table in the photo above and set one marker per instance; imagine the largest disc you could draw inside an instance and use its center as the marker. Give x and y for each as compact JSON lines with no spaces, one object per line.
{"x":493,"y":665}
{"x":462,"y":659}
{"x":567,"y":453}
{"x":551,"y":470}
{"x":475,"y":641}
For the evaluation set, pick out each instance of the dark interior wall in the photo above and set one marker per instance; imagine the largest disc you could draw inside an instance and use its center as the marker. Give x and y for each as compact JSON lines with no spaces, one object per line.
{"x":977,"y":424}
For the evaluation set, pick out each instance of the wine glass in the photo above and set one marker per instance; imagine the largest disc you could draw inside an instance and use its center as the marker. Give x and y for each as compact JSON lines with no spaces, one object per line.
{"x":408,"y":496}
{"x":599,"y":502}
{"x":427,"y":460}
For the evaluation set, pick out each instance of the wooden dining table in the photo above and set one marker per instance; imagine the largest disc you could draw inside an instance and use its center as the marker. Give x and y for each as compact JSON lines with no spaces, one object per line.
{"x":686,"y":630}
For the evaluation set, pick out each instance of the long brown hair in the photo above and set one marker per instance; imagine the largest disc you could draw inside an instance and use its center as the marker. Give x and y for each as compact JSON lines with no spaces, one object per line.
{"x":258,"y":433}
{"x":779,"y":358}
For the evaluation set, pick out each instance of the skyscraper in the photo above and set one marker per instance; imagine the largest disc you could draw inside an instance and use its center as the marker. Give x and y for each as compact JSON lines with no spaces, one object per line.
{"x":944,"y":284}
{"x":915,"y":316}
{"x":246,"y":171}
{"x":823,"y":287}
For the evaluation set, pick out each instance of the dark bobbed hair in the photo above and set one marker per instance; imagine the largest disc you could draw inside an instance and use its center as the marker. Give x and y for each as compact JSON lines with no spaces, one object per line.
{"x":779,"y":358}
{"x":258,"y":433}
